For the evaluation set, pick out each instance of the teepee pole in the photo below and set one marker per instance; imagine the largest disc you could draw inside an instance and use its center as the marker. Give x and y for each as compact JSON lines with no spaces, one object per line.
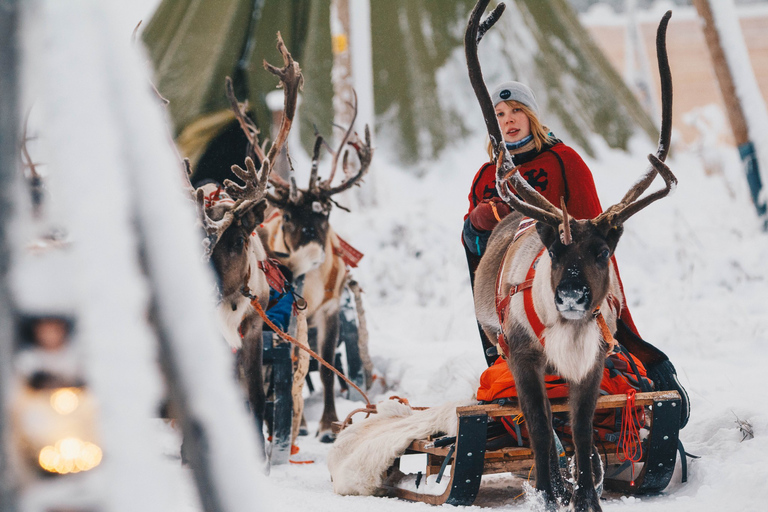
{"x":728,"y":52}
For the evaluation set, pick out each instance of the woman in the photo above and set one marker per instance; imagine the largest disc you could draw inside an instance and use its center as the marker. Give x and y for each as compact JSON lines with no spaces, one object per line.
{"x":552,"y":168}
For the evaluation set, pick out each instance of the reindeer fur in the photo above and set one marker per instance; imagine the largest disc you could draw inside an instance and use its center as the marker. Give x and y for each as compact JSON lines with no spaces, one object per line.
{"x":322,"y":313}
{"x":235,"y":260}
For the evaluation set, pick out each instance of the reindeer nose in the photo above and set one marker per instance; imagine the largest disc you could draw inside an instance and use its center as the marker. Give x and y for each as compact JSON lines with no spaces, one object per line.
{"x":572,"y":296}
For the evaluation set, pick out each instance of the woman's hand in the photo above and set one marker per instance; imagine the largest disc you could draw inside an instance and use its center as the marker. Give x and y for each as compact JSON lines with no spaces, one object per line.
{"x":487,"y":214}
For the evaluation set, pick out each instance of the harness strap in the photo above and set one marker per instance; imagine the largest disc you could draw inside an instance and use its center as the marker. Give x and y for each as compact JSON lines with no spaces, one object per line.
{"x":275,"y":278}
{"x":330,"y":283}
{"x":605,"y":331}
{"x":502,"y":303}
{"x":530,"y":310}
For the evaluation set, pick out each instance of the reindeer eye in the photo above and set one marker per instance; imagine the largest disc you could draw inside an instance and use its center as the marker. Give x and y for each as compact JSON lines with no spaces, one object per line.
{"x":286,"y":216}
{"x":603,"y":255}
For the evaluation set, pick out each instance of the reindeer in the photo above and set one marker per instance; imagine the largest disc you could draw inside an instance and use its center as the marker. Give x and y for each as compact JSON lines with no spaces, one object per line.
{"x":299,"y":235}
{"x":564,"y":267}
{"x":230,"y":215}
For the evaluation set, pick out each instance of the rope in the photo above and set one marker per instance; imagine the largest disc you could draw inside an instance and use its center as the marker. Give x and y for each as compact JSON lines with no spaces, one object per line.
{"x":255,"y":304}
{"x":629,"y":447}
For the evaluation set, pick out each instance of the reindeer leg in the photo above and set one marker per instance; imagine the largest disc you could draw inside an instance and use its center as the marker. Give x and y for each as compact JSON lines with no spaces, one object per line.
{"x":583,"y":398}
{"x":527,"y":364}
{"x":252,"y":369}
{"x":328,"y":332}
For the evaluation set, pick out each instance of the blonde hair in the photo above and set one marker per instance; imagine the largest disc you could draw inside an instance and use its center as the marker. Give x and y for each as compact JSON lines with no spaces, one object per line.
{"x":540,"y":132}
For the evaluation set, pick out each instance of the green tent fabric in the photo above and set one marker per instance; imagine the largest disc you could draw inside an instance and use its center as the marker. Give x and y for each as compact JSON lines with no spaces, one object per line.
{"x":420,"y":81}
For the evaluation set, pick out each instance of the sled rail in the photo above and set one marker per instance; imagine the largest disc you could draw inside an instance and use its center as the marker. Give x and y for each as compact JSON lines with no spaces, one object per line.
{"x":471,"y":460}
{"x":561,"y":404}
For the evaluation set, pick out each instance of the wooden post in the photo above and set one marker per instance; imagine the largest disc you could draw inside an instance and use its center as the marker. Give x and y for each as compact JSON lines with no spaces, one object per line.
{"x":342,"y":65}
{"x":733,"y":107}
{"x":350,"y":73}
{"x":724,"y":77}
{"x":9,"y":137}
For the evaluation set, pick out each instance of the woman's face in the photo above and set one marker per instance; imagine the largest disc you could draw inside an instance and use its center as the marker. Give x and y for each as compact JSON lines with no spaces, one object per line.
{"x":513,"y":122}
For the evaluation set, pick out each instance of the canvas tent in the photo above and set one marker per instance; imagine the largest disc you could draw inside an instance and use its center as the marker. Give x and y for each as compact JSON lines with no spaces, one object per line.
{"x":420,"y":80}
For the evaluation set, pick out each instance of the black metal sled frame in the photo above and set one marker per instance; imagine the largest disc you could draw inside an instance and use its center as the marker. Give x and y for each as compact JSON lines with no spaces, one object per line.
{"x":470,"y":459}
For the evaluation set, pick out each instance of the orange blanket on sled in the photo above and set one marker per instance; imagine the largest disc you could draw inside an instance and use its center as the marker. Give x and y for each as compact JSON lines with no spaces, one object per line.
{"x":497,"y":381}
{"x":618,"y":378}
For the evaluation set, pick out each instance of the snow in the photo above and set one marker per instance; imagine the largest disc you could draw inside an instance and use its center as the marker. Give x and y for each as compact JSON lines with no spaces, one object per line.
{"x":693,"y":266}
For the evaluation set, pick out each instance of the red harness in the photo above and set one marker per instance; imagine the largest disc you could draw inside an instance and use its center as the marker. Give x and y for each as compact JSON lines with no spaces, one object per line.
{"x":502,"y":303}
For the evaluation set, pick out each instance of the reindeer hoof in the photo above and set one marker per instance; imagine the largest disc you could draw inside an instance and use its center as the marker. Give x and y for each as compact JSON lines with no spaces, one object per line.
{"x":585,"y":502}
{"x":303,"y":431}
{"x":326,"y":436}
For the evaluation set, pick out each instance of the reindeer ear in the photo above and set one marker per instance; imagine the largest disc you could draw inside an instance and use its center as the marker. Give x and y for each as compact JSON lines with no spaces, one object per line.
{"x":547,"y":233}
{"x":254,"y":216}
{"x":610,"y":232}
{"x":613,"y":235}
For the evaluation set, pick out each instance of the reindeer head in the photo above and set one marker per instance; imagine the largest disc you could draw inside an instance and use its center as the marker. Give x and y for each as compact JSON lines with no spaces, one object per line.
{"x":579,"y":276}
{"x":305,"y":224}
{"x":230,"y":215}
{"x":579,"y":250}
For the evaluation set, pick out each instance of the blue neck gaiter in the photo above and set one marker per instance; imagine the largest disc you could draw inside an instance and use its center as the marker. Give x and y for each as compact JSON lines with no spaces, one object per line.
{"x":511,"y":146}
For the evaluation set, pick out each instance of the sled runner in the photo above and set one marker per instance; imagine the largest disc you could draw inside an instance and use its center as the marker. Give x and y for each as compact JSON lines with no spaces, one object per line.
{"x":470,"y":454}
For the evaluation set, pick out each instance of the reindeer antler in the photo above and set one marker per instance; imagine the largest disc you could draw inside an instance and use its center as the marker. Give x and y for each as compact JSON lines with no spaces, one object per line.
{"x":364,"y":155}
{"x":315,"y":163}
{"x":213,"y":228}
{"x":629,"y":204}
{"x":248,"y":127}
{"x":292,"y":81}
{"x":536,"y":205}
{"x":344,"y":140}
{"x":255,"y":187}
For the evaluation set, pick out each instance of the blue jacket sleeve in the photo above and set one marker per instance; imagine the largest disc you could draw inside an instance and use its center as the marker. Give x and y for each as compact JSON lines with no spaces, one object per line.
{"x":280,"y":313}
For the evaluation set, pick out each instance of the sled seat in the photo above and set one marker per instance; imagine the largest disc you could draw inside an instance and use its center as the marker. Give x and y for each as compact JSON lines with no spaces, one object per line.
{"x":469,"y":459}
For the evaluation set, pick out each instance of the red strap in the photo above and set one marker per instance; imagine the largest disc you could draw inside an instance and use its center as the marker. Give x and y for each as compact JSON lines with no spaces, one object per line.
{"x":630,"y":446}
{"x":273,"y":215}
{"x":349,"y":254}
{"x":275,"y":278}
{"x":530,"y":311}
{"x":502,"y":305}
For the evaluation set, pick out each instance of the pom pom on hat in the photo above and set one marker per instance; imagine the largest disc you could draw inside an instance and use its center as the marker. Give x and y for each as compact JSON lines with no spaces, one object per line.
{"x":515,"y":91}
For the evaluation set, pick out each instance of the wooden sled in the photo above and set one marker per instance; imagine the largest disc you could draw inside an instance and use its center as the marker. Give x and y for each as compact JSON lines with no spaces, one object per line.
{"x":469,"y":459}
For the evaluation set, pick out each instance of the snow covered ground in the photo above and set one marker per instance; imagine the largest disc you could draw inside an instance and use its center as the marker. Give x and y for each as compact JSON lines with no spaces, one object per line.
{"x":694,"y":268}
{"x":696,"y":280}
{"x":695,"y":275}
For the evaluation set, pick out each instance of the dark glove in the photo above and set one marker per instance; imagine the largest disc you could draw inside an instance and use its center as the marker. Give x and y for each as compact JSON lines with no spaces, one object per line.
{"x":475,"y":240}
{"x":487,"y":214}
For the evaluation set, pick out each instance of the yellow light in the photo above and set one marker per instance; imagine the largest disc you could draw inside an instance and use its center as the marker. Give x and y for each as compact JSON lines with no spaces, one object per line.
{"x":65,"y":400}
{"x":70,"y":455}
{"x":69,"y":448}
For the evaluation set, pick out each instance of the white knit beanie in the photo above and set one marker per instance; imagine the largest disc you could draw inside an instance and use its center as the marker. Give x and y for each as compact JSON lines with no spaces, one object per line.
{"x":515,"y":91}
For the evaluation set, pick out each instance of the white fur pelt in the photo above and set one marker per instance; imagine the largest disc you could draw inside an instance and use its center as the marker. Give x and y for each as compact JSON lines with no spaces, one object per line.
{"x":364,"y":450}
